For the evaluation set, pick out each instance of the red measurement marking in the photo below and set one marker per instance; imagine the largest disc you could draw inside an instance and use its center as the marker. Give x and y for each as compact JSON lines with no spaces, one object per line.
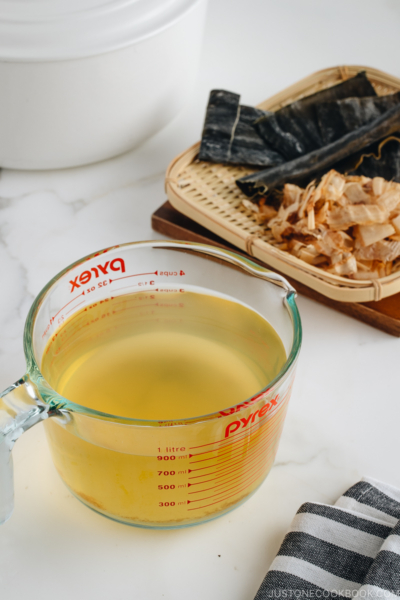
{"x":262,"y":459}
{"x":234,"y":443}
{"x":82,"y":294}
{"x":135,"y":275}
{"x":238,"y":451}
{"x":227,"y":497}
{"x":249,"y":458}
{"x":115,"y":304}
{"x":241,"y":449}
{"x":251,"y":461}
{"x":125,"y":288}
{"x":257,"y":462}
{"x":112,"y":306}
{"x":75,"y":307}
{"x":257,"y":435}
{"x":268,"y":433}
{"x":258,"y":471}
{"x":131,"y":307}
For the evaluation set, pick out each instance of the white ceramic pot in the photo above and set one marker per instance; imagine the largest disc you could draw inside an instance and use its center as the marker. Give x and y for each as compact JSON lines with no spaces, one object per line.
{"x":85,"y":80}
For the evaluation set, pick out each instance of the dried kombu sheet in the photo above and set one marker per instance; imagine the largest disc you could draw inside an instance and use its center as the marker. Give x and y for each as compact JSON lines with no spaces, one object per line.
{"x":293,"y":130}
{"x":247,"y":147}
{"x":381,"y":160}
{"x":220,"y":121}
{"x":335,"y":119}
{"x":287,"y":143}
{"x":314,"y":163}
{"x":229,"y":137}
{"x":290,"y":133}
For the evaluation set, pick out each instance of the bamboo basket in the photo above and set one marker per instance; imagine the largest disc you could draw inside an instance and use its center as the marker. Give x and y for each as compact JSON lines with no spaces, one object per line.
{"x":206,"y":192}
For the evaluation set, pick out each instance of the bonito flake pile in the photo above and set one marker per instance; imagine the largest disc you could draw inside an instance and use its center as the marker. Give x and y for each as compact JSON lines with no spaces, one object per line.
{"x":347,"y":225}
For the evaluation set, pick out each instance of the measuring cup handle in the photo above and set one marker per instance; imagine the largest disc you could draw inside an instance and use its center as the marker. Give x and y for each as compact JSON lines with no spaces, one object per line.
{"x":20,"y":408}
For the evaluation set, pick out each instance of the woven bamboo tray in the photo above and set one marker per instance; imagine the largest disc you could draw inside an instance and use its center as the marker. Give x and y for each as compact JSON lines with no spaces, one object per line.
{"x":207,"y":193}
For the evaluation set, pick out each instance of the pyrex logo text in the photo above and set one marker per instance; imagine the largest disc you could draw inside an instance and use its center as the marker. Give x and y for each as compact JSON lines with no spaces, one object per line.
{"x":242,"y":423}
{"x":117,"y":264}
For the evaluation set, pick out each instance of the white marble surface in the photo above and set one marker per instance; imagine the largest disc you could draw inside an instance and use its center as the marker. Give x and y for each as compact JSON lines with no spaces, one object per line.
{"x":344,"y":413}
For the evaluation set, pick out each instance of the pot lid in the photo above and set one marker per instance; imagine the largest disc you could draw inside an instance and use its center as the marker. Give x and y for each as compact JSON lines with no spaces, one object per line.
{"x":32,"y":30}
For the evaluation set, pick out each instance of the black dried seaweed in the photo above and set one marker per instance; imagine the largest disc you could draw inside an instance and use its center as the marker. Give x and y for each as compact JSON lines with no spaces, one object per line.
{"x":380,"y":160}
{"x":335,"y":119}
{"x":229,"y":137}
{"x":285,"y":142}
{"x":220,"y":121}
{"x":248,"y":148}
{"x":316,"y":162}
{"x":293,"y":130}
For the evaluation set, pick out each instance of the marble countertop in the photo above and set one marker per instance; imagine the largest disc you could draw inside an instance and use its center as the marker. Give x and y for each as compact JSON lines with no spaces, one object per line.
{"x":342,"y":422}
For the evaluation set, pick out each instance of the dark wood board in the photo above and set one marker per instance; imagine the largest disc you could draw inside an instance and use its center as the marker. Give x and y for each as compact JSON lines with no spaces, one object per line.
{"x":384,"y":314}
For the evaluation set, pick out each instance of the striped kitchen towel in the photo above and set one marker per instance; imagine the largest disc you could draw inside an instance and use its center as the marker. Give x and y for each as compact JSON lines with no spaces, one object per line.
{"x":351,"y":549}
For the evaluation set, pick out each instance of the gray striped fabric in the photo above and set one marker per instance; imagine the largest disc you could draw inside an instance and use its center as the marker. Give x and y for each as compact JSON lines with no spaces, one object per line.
{"x":351,"y":549}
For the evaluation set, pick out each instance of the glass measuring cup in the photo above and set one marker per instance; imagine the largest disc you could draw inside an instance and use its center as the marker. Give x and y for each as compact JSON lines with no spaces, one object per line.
{"x":145,"y":472}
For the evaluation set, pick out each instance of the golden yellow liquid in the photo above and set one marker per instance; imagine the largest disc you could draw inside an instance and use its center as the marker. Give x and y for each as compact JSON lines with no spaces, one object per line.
{"x":164,"y":356}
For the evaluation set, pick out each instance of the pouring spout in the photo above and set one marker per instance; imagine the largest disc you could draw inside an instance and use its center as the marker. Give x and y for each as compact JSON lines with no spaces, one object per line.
{"x":20,"y":408}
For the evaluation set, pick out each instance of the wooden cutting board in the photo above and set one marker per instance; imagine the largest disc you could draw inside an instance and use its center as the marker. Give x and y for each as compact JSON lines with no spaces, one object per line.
{"x":384,"y":314}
